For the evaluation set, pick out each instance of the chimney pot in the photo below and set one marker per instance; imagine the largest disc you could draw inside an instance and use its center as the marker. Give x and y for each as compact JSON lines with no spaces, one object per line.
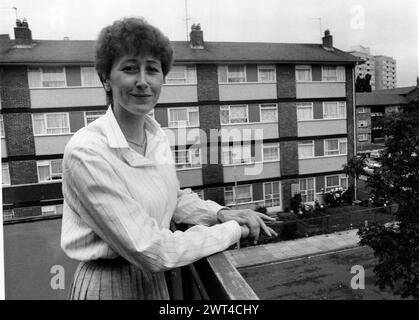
{"x":196,"y":37}
{"x":23,"y":35}
{"x":327,"y":40}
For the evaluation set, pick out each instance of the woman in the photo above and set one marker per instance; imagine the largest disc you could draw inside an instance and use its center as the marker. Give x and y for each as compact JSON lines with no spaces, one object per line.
{"x":120,"y":186}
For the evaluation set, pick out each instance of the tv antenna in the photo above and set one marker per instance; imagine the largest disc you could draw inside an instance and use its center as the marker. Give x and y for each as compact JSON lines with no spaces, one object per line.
{"x":186,"y":20}
{"x":10,"y":8}
{"x":320,"y":23}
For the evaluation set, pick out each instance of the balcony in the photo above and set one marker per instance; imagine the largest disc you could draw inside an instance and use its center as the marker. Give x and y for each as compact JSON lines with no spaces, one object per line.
{"x":179,"y":93}
{"x":321,"y":164}
{"x":251,"y":171}
{"x":320,"y":89}
{"x":247,"y":91}
{"x":321,"y":127}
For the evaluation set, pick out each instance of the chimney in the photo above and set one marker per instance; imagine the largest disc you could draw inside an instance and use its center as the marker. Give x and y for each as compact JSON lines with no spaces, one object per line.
{"x":327,"y":40}
{"x":23,"y":35}
{"x":196,"y":37}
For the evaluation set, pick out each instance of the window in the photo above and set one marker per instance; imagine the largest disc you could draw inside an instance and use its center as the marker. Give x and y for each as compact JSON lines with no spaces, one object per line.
{"x":333,"y":73}
{"x":200,"y":194}
{"x":181,"y":74}
{"x":335,"y":147}
{"x":187,"y":158}
{"x":89,"y":77}
{"x":302,"y":73}
{"x":237,"y":153}
{"x":236,"y":73}
{"x":362,"y":110}
{"x":2,"y":134}
{"x":49,"y":170}
{"x":334,"y":110}
{"x":305,"y":149}
{"x":336,"y":181}
{"x":362,"y":123}
{"x":363,"y":137}
{"x":239,"y":194}
{"x":272,"y":195}
{"x":268,"y":113}
{"x":307,"y":189}
{"x":271,"y":152}
{"x":304,"y":111}
{"x":183,"y":117}
{"x":90,"y":116}
{"x":266,"y":73}
{"x":50,"y":123}
{"x":5,"y":175}
{"x":50,"y":210}
{"x":234,"y":114}
{"x":8,"y":214}
{"x":46,"y":77}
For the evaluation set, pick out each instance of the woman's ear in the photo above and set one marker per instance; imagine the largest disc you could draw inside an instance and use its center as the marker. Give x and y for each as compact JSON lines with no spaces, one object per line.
{"x":107,"y":86}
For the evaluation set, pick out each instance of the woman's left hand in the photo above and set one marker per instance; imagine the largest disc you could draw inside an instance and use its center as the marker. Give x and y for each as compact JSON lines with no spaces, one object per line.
{"x":252,"y":219}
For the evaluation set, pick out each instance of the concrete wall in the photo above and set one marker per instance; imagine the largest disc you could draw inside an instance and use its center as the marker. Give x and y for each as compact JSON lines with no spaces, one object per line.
{"x":321,"y":127}
{"x":320,"y":90}
{"x":323,"y":164}
{"x":259,"y":130}
{"x":3,"y":148}
{"x":247,"y":91}
{"x":51,"y":144}
{"x":179,"y":93}
{"x":261,"y":170}
{"x":190,"y":177}
{"x":67,"y":97}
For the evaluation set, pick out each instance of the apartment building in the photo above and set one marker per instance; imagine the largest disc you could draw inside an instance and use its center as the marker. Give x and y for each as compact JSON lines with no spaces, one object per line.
{"x":250,"y":124}
{"x":371,"y":107}
{"x":368,"y":65}
{"x":385,"y":72}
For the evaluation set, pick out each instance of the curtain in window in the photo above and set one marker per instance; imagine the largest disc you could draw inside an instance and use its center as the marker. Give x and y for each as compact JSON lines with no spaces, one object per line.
{"x":57,"y":123}
{"x":176,"y":75}
{"x":236,"y":73}
{"x":270,"y":152}
{"x":39,"y":124}
{"x":243,"y":194}
{"x":266,"y":74}
{"x":238,"y":114}
{"x":228,"y":195}
{"x":5,"y":174}
{"x":195,"y":157}
{"x":224,"y":115}
{"x":304,"y":112}
{"x":268,"y":113}
{"x":332,"y":147}
{"x":90,"y":77}
{"x":93,"y":115}
{"x":34,"y":77}
{"x":303,"y":74}
{"x":56,"y":167}
{"x":193,"y":116}
{"x":44,"y":171}
{"x":343,"y":146}
{"x":332,"y":182}
{"x":178,"y":117}
{"x":1,"y":126}
{"x":305,"y":150}
{"x":53,"y":77}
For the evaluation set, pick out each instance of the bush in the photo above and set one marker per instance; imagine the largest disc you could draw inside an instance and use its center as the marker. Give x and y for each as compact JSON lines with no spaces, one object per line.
{"x":261,"y":209}
{"x":295,"y":202}
{"x":289,"y":231}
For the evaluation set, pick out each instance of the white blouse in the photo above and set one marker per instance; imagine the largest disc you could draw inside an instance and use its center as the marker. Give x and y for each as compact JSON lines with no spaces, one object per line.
{"x":120,"y":203}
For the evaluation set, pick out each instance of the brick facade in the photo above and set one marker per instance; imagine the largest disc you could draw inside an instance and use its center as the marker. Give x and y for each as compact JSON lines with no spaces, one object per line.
{"x":287,"y":119}
{"x":26,"y":212}
{"x":207,"y":78}
{"x":14,"y":88}
{"x":289,"y":158}
{"x":350,"y":109}
{"x":285,"y":75}
{"x":215,"y":194}
{"x":19,"y":134}
{"x":23,"y":172}
{"x":286,"y":192}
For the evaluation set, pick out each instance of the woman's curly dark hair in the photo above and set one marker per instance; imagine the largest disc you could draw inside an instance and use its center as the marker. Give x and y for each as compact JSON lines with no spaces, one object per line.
{"x":131,"y":36}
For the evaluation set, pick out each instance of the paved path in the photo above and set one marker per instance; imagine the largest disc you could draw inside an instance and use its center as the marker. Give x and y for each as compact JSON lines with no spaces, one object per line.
{"x":287,"y":250}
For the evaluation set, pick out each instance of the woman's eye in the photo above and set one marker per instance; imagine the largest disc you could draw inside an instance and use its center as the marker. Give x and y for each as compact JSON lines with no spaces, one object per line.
{"x":153,"y":69}
{"x":130,"y":68}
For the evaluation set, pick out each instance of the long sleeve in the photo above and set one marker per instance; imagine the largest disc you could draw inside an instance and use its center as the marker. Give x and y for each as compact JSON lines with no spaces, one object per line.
{"x":191,"y":209}
{"x":94,"y":191}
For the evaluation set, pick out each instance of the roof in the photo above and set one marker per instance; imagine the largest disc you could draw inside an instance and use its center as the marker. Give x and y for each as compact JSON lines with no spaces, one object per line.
{"x":82,"y":51}
{"x":401,"y":90}
{"x":377,"y":98}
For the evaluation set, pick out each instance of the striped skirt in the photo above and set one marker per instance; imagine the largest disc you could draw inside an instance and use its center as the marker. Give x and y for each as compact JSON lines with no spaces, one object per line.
{"x":116,"y":279}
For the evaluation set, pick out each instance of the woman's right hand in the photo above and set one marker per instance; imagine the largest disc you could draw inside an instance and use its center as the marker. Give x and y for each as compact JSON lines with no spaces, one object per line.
{"x":245,"y":231}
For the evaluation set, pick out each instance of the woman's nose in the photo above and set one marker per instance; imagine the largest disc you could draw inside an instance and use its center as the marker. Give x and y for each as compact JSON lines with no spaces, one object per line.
{"x":141,"y":81}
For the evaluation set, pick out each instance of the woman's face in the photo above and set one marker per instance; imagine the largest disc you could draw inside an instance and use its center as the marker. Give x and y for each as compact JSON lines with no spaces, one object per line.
{"x":136,"y":82}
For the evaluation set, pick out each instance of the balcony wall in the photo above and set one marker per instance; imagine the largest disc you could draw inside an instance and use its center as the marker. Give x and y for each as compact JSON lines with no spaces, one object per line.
{"x":67,"y":97}
{"x":184,"y":136}
{"x":260,"y":170}
{"x":321,"y":127}
{"x":247,"y":91}
{"x":320,"y":90}
{"x":45,"y":145}
{"x":321,"y":164}
{"x":248,"y":131}
{"x":190,"y":177}
{"x":179,"y":93}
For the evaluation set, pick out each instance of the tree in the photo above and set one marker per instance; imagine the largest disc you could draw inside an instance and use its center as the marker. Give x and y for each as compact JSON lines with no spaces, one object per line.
{"x":396,"y":244}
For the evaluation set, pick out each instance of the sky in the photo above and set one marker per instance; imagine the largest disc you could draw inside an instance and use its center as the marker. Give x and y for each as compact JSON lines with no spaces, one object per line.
{"x":387,"y":27}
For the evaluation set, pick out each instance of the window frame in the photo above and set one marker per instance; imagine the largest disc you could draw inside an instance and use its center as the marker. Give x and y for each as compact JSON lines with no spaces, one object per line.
{"x":2,"y":130}
{"x":188,"y":158}
{"x":98,"y":85}
{"x":364,"y":109}
{"x":46,"y":127}
{"x":340,"y":177}
{"x":85,"y":116}
{"x":188,"y":110}
{"x":336,"y":71}
{"x":6,"y":167}
{"x":272,"y":198}
{"x":272,"y":145}
{"x":300,"y":105}
{"x":244,"y":72}
{"x":339,"y":104}
{"x":305,"y":192}
{"x":362,"y":126}
{"x":235,"y":194}
{"x":266,"y":66}
{"x":230,"y":148}
{"x":229,"y":114}
{"x":42,"y":77}
{"x":339,"y":149}
{"x":42,"y":163}
{"x":187,"y":79}
{"x":306,"y":143}
{"x":49,"y":206}
{"x":268,"y":106}
{"x":304,"y":67}
{"x":362,"y":134}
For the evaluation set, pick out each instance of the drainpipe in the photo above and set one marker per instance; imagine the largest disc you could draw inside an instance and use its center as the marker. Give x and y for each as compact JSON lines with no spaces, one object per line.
{"x":354,"y":120}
